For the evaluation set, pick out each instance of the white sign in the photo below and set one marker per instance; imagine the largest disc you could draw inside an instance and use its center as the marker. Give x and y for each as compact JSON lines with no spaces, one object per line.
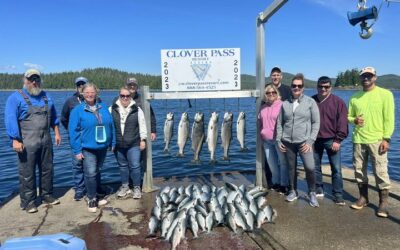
{"x":200,"y":69}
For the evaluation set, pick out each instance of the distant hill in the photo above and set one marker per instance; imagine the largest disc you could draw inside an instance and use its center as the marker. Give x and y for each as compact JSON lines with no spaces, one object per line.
{"x":107,"y":78}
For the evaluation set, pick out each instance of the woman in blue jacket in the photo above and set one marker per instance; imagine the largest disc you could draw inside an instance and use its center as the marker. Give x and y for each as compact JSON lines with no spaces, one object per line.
{"x":91,"y":131}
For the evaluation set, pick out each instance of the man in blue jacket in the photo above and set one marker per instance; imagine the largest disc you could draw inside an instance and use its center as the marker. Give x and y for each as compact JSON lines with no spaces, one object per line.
{"x":77,"y":166}
{"x":29,"y":114}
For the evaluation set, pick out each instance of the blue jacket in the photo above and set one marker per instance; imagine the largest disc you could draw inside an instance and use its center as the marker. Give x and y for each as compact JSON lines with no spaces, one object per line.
{"x":16,"y":109}
{"x":82,"y":128}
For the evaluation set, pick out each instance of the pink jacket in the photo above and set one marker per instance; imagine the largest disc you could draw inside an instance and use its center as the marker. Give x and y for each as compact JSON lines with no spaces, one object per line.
{"x":268,"y":117}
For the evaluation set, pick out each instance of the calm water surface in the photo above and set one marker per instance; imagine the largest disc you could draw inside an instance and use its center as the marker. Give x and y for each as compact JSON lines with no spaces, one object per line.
{"x":169,"y":165}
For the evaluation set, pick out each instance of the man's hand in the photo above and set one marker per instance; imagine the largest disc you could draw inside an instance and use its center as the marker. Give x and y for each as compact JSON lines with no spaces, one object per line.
{"x":384,"y":147}
{"x":18,"y":146}
{"x":142,"y":145}
{"x":57,"y":139}
{"x":335,"y":146}
{"x":57,"y":135}
{"x":153,"y":136}
{"x":359,"y":120}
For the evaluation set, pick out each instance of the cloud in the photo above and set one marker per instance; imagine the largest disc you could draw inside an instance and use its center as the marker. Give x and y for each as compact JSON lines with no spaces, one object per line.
{"x":33,"y":66}
{"x":7,"y":67}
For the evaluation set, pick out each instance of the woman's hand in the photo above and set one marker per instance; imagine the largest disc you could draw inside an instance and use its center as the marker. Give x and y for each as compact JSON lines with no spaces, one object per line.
{"x":305,"y":148}
{"x":79,"y":157}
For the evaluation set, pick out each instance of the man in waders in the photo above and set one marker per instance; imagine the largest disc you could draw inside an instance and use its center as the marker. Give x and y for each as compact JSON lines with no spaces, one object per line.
{"x":29,"y":114}
{"x":77,"y":165}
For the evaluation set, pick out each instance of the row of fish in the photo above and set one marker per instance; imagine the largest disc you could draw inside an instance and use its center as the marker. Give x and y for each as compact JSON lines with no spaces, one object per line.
{"x":203,"y":208}
{"x":198,"y":136}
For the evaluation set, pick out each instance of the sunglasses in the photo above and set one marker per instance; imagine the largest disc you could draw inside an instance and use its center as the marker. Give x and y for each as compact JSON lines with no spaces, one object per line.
{"x":367,"y":75}
{"x":271,"y":93}
{"x":125,"y":96}
{"x":324,"y":87}
{"x":295,"y":86}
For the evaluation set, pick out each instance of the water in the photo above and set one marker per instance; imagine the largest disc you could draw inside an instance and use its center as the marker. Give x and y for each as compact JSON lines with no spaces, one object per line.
{"x":169,"y":165}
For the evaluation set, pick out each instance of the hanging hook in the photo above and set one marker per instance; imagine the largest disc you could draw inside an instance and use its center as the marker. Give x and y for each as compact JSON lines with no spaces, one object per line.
{"x":366,"y":31}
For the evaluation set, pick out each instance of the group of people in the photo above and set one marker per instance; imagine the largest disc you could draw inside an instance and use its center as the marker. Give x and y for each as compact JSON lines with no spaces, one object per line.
{"x":292,"y":123}
{"x":93,"y":128}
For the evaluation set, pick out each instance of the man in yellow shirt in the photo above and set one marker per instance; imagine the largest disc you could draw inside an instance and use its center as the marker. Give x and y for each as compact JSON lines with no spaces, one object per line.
{"x":372,"y":112}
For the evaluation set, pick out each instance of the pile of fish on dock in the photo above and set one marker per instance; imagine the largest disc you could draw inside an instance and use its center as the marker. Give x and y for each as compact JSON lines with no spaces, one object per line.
{"x":198,"y":135}
{"x":203,"y":208}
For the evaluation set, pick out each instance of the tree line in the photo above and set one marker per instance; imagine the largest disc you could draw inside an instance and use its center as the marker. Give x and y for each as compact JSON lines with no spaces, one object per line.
{"x":104,"y":78}
{"x":107,"y":78}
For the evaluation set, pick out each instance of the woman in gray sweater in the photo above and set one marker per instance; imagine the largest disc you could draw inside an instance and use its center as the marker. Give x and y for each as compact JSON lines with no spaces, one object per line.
{"x":297,"y":129}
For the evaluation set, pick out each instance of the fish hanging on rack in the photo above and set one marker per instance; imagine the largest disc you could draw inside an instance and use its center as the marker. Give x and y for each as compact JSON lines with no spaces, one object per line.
{"x":168,"y":131}
{"x":226,"y":133}
{"x":197,"y":136}
{"x":241,"y":130}
{"x":183,"y":133}
{"x":212,"y":136}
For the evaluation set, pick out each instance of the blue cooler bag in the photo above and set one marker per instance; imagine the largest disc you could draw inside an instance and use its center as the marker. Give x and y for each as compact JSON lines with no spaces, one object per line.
{"x":60,"y":241}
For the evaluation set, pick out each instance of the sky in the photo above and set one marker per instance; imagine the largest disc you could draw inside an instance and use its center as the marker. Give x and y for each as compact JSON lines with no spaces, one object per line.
{"x":313,"y":37}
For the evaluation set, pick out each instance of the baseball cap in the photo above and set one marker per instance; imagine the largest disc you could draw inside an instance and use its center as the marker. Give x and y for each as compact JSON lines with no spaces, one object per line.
{"x":31,"y":72}
{"x":369,"y":69}
{"x":81,"y":80}
{"x":131,"y":82}
{"x":33,"y":75}
{"x":276,"y":69}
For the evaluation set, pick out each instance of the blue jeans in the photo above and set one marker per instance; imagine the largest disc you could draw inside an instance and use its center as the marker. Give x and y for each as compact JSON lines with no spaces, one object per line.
{"x":276,"y":162}
{"x":129,"y":165}
{"x":92,"y":163}
{"x":78,"y":175}
{"x":334,"y":160}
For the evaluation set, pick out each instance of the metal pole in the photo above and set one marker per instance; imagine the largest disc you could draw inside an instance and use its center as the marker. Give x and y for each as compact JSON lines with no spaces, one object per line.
{"x":148,"y":174}
{"x":260,"y":81}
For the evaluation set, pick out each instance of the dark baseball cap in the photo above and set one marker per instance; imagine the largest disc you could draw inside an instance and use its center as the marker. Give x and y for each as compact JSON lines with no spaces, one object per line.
{"x":81,"y":80}
{"x":276,"y":69}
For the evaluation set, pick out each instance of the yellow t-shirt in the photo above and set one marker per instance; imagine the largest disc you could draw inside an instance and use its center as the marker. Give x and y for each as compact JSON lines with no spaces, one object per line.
{"x":377,"y":108}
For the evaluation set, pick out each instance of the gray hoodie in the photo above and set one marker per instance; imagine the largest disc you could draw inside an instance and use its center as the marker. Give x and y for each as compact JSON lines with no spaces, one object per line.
{"x":299,"y":126}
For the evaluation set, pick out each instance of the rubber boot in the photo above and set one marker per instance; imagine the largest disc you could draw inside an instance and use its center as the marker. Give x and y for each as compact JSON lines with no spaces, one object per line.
{"x":383,"y":203}
{"x":363,"y":200}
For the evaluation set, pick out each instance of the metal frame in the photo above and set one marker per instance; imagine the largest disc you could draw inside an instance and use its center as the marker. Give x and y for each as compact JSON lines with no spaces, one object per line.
{"x":260,"y":82}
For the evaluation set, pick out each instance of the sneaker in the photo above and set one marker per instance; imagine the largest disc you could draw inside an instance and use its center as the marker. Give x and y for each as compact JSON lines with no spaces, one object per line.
{"x":320,"y":193}
{"x":137,"y":193}
{"x":31,"y":208}
{"x":102,"y":202}
{"x":283,"y":190}
{"x":123,"y":191}
{"x":292,"y":195}
{"x":92,"y":206}
{"x":339,"y":201}
{"x":50,"y":200}
{"x":313,"y":199}
{"x":275,"y":187}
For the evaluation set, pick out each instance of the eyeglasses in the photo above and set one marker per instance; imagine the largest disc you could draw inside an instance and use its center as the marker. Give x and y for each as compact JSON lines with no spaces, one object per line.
{"x":324,"y":87}
{"x":271,"y":93}
{"x":125,"y":96}
{"x":295,"y":86}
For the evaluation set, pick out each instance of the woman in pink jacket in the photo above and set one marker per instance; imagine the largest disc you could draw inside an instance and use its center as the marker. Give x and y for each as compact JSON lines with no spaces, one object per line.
{"x":268,"y":117}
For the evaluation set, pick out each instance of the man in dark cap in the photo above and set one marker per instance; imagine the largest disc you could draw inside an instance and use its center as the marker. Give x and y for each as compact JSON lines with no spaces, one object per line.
{"x":276,"y":79}
{"x":77,"y":165}
{"x":29,"y":115}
